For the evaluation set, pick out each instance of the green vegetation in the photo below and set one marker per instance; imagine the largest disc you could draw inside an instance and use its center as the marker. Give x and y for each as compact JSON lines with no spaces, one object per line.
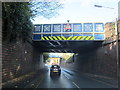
{"x":46,"y":57}
{"x":67,"y":56}
{"x":16,"y":17}
{"x":16,"y":20}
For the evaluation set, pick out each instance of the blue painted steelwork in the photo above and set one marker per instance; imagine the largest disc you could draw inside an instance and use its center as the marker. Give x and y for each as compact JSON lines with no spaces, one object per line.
{"x":99,"y":36}
{"x":95,"y":30}
{"x":56,"y":35}
{"x":99,"y":27}
{"x":36,"y":37}
{"x":66,"y":35}
{"x":47,"y":35}
{"x":88,"y":27}
{"x":37,"y":28}
{"x":77,"y":34}
{"x":57,"y":28}
{"x":47,"y":28}
{"x":87,"y":34}
{"x":77,"y":27}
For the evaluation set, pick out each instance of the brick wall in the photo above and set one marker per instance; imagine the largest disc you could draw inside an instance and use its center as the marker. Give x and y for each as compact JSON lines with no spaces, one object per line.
{"x":101,"y":61}
{"x":18,"y":59}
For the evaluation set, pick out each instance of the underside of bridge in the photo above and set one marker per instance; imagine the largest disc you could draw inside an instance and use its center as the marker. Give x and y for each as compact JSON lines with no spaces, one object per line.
{"x":89,"y":56}
{"x":67,"y":46}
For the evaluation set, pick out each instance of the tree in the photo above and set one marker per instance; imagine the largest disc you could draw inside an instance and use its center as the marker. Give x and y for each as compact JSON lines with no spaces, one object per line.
{"x":46,"y":57}
{"x":16,"y":20}
{"x":46,"y":8}
{"x":16,"y":17}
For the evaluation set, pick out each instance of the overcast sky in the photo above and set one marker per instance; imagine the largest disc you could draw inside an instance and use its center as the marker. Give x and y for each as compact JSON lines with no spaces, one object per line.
{"x":78,"y":11}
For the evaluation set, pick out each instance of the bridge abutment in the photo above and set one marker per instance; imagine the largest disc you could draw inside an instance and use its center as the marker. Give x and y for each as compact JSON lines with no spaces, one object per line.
{"x":101,"y":61}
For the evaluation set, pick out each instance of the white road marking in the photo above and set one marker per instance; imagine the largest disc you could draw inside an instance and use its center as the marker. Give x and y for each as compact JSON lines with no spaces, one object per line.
{"x":66,"y":77}
{"x":73,"y":83}
{"x":76,"y":85}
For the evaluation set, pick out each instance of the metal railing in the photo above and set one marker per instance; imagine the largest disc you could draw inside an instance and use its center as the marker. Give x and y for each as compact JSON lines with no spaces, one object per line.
{"x":77,"y":29}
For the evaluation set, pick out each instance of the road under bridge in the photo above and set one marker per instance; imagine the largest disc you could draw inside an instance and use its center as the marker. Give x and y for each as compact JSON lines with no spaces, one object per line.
{"x":94,"y":64}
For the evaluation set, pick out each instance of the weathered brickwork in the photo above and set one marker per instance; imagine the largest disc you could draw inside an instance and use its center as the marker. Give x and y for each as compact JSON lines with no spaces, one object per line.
{"x":101,"y":61}
{"x":18,"y":59}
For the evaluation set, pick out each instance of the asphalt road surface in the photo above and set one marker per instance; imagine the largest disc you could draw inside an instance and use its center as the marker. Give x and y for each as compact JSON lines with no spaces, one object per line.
{"x":68,"y":79}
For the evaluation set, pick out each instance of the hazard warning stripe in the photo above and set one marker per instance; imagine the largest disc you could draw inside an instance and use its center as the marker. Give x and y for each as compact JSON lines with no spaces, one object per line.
{"x":92,"y":38}
{"x":50,"y":38}
{"x":68,"y":38}
{"x":83,"y":38}
{"x":88,"y":38}
{"x":59,"y":38}
{"x":63,"y":37}
{"x":78,"y":38}
{"x":43,"y":38}
{"x":54,"y":37}
{"x":74,"y":37}
{"x":46,"y":37}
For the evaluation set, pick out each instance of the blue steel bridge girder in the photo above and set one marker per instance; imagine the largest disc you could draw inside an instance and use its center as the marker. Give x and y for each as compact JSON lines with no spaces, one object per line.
{"x":77,"y":32}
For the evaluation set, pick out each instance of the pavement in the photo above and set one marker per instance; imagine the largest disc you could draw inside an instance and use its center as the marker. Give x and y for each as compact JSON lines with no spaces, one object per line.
{"x":21,"y":81}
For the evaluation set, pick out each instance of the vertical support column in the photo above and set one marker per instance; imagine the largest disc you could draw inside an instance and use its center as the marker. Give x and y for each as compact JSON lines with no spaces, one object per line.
{"x":51,"y":29}
{"x":72,"y":29}
{"x":82,"y":28}
{"x":61,"y":29}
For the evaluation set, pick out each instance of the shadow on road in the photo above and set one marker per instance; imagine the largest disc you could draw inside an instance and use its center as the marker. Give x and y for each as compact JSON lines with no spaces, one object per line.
{"x":55,"y":77}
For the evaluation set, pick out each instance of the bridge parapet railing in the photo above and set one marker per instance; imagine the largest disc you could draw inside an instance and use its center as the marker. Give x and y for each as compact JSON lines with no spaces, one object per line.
{"x":71,"y":31}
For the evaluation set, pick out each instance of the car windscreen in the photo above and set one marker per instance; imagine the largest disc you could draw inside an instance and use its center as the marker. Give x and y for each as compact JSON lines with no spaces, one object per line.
{"x":55,"y":66}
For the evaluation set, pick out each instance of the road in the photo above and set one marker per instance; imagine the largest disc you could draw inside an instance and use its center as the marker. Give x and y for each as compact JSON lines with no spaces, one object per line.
{"x":68,"y":79}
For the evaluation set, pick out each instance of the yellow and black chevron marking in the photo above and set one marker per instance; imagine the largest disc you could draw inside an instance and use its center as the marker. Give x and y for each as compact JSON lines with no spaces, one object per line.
{"x":68,"y":38}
